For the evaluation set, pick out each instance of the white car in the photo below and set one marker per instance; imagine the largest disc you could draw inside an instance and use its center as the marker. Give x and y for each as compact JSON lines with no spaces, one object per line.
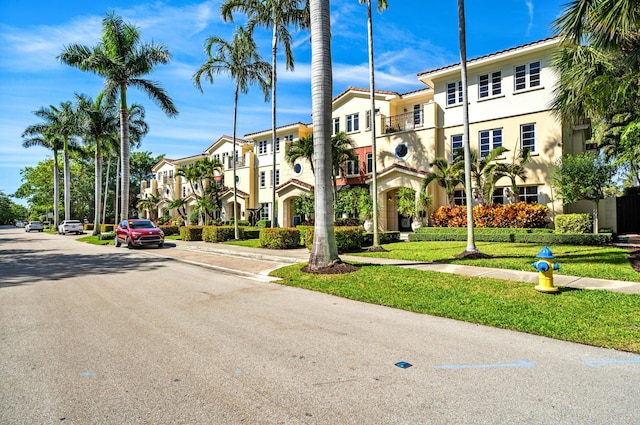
{"x":34,"y":225}
{"x":71,"y":226}
{"x":19,"y":224}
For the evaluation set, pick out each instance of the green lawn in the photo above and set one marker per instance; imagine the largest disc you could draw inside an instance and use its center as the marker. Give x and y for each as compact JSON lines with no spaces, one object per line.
{"x":586,"y":261}
{"x":599,"y":318}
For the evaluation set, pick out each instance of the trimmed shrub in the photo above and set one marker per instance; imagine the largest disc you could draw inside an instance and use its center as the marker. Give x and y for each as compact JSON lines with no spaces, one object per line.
{"x":390,"y":236}
{"x":280,"y":238}
{"x":220,"y":233}
{"x":191,"y":233}
{"x":251,"y":233}
{"x":520,"y":215}
{"x":348,"y":239}
{"x":170,"y":230}
{"x":303,"y":234}
{"x":574,"y":223}
{"x":538,"y":236}
{"x":109,"y":236}
{"x":343,"y":222}
{"x":263,"y":224}
{"x":105,"y":228}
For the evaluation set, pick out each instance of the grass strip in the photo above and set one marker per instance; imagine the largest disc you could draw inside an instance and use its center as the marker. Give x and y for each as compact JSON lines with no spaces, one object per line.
{"x":598,"y":318}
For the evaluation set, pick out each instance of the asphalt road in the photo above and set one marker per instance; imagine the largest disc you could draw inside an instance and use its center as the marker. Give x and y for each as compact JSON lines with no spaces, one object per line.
{"x":99,"y":335}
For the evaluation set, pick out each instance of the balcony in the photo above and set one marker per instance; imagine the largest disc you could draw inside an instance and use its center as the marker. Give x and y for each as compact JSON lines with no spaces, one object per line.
{"x":403,"y":122}
{"x":240,"y":162}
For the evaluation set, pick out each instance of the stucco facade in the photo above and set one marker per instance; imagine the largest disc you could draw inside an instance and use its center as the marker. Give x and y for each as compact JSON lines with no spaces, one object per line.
{"x":509,"y":98}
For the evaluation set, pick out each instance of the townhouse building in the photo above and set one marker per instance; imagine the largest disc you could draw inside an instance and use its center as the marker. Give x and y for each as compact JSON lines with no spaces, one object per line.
{"x":509,"y":98}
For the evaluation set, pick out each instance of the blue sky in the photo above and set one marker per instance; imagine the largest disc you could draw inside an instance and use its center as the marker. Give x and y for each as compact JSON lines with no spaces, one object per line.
{"x":410,"y":37}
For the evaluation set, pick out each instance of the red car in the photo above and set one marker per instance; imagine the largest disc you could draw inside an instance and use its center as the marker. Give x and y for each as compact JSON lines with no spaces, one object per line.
{"x":138,"y":232}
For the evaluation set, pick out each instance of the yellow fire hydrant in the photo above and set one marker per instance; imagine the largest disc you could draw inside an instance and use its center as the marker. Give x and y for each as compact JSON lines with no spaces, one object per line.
{"x":545,"y":265}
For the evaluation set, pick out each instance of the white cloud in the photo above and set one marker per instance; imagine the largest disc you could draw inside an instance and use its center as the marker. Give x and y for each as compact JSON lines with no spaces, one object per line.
{"x":529,"y":4}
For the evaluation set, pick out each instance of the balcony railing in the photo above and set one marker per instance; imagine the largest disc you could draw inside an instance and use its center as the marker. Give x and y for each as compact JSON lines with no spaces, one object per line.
{"x":407,"y":121}
{"x":239,"y":163}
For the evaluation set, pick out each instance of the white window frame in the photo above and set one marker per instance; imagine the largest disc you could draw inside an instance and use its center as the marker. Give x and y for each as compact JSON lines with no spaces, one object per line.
{"x":492,"y":139}
{"x":490,"y":85}
{"x":528,"y":194}
{"x":336,"y":126}
{"x":527,"y":76}
{"x":263,"y":179}
{"x":459,"y":197}
{"x":456,"y":142}
{"x":368,"y":119}
{"x":353,"y":167}
{"x":528,"y":137}
{"x":277,"y":145}
{"x":265,"y":213}
{"x":369,"y":162}
{"x":353,"y":122}
{"x":454,"y":96}
{"x":263,"y":147}
{"x":271,"y":177}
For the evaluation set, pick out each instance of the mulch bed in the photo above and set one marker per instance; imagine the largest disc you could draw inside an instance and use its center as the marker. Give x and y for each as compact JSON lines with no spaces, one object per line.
{"x":634,"y":259}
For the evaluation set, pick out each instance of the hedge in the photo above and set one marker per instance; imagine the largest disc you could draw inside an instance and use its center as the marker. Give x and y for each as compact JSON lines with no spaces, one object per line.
{"x":348,"y":239}
{"x":540,"y":236}
{"x":109,"y":236}
{"x":251,"y":234}
{"x":350,"y":222}
{"x":385,"y":237}
{"x":573,"y":223}
{"x":221,"y":233}
{"x":263,"y":224}
{"x":280,"y":238}
{"x":191,"y":233}
{"x":170,"y":230}
{"x":105,"y":228}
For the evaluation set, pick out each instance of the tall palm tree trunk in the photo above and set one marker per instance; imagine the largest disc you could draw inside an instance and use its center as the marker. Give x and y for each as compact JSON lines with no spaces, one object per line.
{"x":116,"y":209}
{"x":324,"y":252}
{"x":124,"y":151}
{"x":235,"y":193}
{"x":56,"y":190}
{"x":98,"y":190}
{"x":67,"y":182}
{"x":374,"y":162}
{"x":106,"y":192}
{"x":274,"y":54}
{"x":471,"y":246}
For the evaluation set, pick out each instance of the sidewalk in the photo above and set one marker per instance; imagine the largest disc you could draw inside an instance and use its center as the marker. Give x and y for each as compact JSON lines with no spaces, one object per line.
{"x":259,"y":262}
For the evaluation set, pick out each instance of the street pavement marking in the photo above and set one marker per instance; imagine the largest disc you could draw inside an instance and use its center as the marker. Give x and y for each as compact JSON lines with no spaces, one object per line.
{"x":597,"y":363}
{"x":520,"y":363}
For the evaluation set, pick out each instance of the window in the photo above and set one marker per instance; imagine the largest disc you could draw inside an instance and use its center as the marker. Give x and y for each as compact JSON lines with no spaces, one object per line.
{"x":353,"y":123}
{"x":336,"y":126}
{"x":528,"y":137}
{"x":498,"y":196}
{"x":417,"y":115}
{"x":490,"y":85}
{"x":184,"y":192}
{"x":262,"y":147}
{"x":490,"y":140}
{"x":402,"y":150}
{"x":271,"y":177}
{"x":264,"y":212}
{"x":368,"y":118}
{"x":370,"y":162}
{"x":459,"y":197}
{"x":297,"y":169}
{"x":527,"y":76}
{"x":263,"y":179}
{"x":456,"y":143}
{"x":353,"y":167}
{"x":277,"y":144}
{"x":454,"y":96}
{"x":216,"y":157}
{"x":528,"y":194}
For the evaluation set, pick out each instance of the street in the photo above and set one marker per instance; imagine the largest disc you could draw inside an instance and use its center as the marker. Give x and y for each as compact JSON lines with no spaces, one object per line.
{"x":103,"y":335}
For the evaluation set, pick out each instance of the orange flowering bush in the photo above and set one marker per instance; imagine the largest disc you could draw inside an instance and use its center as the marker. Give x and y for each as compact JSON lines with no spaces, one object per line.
{"x":520,"y":215}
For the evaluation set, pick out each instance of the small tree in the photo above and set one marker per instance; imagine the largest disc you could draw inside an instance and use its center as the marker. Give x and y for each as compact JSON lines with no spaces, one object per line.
{"x":586,"y":176}
{"x":303,"y":206}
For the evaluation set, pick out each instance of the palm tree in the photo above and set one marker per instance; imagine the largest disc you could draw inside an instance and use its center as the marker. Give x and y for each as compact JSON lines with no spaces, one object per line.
{"x":300,"y":149}
{"x":149,"y":204}
{"x":42,"y":135}
{"x":341,"y":151}
{"x":483,"y":173}
{"x":278,"y":15}
{"x":382,"y":5}
{"x":98,"y":122}
{"x":179,"y":204}
{"x":514,"y":171}
{"x":241,"y":61}
{"x":61,"y":123}
{"x":471,"y":244}
{"x":324,"y":253}
{"x":122,"y":60}
{"x":447,"y":175}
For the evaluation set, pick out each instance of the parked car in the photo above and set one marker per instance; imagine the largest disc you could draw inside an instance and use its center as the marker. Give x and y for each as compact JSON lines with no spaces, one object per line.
{"x":34,"y":225}
{"x":138,"y":232}
{"x":19,"y":223}
{"x":70,"y":226}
